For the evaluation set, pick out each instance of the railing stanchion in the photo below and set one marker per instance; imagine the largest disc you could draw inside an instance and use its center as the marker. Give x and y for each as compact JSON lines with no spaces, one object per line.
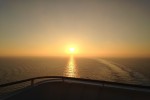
{"x":32,"y":82}
{"x":63,"y":79}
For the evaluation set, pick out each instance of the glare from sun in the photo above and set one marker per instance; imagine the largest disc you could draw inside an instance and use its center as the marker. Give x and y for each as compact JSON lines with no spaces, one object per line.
{"x":71,"y":50}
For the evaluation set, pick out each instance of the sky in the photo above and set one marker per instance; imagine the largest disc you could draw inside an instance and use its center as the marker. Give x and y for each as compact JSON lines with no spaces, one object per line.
{"x":101,"y":28}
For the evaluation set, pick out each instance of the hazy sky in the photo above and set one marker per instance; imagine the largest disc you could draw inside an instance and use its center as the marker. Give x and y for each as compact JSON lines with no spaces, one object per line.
{"x":93,"y":28}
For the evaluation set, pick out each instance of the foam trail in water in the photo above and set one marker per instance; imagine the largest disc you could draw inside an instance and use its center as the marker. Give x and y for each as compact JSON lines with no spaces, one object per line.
{"x":124,"y":73}
{"x":136,"y":75}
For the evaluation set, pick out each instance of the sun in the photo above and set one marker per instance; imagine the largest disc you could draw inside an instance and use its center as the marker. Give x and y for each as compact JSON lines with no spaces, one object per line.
{"x":72,"y":50}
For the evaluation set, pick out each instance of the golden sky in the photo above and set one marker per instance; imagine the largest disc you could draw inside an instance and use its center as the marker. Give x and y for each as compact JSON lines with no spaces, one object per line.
{"x":94,"y":28}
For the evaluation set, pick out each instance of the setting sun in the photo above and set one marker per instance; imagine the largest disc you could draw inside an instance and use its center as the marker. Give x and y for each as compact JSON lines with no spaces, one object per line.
{"x":71,"y":50}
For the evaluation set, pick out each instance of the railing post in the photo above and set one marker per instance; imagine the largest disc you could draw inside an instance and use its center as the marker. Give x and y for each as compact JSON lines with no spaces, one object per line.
{"x":32,"y":82}
{"x":63,"y":79}
{"x":103,"y":84}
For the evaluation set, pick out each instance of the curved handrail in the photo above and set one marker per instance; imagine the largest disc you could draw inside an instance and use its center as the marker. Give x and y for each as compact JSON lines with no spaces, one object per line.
{"x":104,"y":83}
{"x":30,"y":79}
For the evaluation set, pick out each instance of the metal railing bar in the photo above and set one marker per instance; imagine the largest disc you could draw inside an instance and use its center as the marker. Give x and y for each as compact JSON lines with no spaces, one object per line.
{"x":27,"y":80}
{"x":105,"y":83}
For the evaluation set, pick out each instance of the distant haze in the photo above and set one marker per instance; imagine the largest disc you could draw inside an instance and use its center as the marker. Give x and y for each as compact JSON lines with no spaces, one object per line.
{"x":104,"y":28}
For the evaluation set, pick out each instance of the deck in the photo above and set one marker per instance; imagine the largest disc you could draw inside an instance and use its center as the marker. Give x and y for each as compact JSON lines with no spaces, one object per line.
{"x":71,"y":90}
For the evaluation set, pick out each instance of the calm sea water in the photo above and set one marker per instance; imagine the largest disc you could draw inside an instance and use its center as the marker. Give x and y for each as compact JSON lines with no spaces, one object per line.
{"x":124,"y":70}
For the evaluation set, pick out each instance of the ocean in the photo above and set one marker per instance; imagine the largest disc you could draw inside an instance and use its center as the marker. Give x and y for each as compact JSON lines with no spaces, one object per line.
{"x":122,"y":70}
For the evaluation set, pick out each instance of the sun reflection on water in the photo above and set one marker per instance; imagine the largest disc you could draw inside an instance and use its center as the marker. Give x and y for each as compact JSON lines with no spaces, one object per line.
{"x":71,"y":70}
